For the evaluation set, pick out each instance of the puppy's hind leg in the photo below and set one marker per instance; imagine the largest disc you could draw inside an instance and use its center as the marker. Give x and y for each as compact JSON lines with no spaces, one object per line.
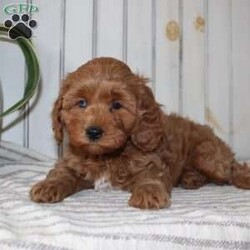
{"x":214,"y":159}
{"x":240,"y":175}
{"x":191,"y":179}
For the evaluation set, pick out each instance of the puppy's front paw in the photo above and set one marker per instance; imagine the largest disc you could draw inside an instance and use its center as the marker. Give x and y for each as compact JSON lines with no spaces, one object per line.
{"x":150,"y":196}
{"x":48,"y":191}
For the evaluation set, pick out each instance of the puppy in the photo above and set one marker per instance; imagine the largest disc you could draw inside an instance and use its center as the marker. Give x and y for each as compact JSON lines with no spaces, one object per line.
{"x":118,"y":134}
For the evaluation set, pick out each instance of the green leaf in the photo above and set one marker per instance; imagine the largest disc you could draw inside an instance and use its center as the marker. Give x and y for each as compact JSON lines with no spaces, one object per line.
{"x":33,"y":70}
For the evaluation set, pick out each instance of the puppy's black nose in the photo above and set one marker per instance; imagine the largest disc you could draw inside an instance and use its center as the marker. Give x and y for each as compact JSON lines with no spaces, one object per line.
{"x":94,"y":133}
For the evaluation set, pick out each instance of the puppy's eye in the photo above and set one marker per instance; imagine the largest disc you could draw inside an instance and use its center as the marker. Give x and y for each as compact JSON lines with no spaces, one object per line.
{"x":82,"y":103}
{"x":115,"y":105}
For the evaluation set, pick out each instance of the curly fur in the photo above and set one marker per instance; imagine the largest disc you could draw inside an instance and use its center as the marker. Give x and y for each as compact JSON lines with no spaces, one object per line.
{"x":141,"y":150}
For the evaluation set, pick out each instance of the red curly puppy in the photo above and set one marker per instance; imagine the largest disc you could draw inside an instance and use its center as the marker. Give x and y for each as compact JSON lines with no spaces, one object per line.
{"x":118,"y":133}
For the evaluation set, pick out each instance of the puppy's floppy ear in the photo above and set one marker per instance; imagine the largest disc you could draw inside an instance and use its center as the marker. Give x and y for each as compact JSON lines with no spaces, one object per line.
{"x":148,"y":131}
{"x":57,"y":123}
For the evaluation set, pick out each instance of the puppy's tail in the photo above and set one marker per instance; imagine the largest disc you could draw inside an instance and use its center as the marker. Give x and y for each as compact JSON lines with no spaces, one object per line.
{"x":240,"y":175}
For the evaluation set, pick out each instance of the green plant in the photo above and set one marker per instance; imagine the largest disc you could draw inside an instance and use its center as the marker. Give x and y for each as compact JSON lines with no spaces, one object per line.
{"x":33,"y":70}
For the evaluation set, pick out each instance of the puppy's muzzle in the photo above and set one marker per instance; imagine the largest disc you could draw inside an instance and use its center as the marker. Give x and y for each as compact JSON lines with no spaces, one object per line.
{"x":94,"y":133}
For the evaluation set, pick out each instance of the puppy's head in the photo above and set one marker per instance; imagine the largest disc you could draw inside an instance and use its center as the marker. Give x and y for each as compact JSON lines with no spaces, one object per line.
{"x":102,"y":105}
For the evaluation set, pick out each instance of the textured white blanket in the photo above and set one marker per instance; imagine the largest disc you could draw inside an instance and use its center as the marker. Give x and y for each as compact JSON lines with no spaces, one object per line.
{"x":209,"y":218}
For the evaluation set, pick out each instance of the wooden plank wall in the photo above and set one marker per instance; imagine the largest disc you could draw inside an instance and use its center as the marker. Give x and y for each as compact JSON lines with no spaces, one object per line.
{"x":197,"y":54}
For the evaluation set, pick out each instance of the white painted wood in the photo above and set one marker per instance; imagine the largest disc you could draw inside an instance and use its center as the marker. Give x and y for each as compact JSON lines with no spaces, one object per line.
{"x":47,"y":39}
{"x":139,"y":42}
{"x":193,"y":61}
{"x":125,"y":30}
{"x":167,"y":56}
{"x":241,"y":77}
{"x":204,"y":74}
{"x":1,"y":107}
{"x":12,"y":68}
{"x":78,"y":33}
{"x":109,"y":33}
{"x":219,"y":67}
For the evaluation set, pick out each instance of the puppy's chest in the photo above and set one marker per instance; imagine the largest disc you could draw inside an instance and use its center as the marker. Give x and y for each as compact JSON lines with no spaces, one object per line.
{"x":111,"y":175}
{"x":103,"y":184}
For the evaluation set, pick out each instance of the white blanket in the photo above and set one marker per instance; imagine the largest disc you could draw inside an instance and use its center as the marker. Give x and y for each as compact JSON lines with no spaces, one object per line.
{"x":209,"y":218}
